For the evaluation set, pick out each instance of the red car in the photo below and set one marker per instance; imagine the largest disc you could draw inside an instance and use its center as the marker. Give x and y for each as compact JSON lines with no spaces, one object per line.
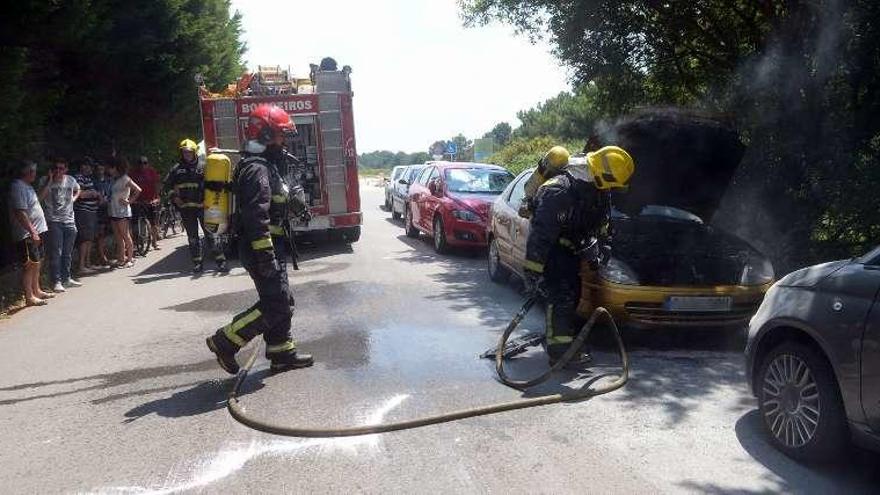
{"x":450,"y":202}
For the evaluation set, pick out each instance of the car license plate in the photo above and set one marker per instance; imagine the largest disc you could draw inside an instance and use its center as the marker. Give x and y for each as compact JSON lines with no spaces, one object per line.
{"x":696,"y":304}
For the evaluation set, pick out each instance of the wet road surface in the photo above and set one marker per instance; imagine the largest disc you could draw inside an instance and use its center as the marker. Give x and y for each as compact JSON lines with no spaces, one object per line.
{"x":110,"y":390}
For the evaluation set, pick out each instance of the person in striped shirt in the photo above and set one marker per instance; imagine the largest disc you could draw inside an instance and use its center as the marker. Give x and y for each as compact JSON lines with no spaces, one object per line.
{"x":85,"y":211}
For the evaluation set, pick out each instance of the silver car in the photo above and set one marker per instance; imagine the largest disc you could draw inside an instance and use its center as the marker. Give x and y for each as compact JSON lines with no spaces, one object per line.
{"x":813,"y":358}
{"x":396,"y":174}
{"x":401,"y":190}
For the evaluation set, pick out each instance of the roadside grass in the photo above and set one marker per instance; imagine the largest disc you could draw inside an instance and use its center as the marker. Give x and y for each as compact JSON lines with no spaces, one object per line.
{"x":373,"y":172}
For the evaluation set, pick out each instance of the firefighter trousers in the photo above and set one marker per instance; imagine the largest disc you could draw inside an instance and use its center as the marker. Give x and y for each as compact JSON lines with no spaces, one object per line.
{"x":562,"y":282}
{"x":282,"y":252}
{"x":269,"y":316}
{"x":193,"y":218}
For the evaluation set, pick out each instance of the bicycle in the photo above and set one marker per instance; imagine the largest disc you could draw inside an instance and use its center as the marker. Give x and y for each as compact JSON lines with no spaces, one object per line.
{"x":169,"y":219}
{"x":140,"y":231}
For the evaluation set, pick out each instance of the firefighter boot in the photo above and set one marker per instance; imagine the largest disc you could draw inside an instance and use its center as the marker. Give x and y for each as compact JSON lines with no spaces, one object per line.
{"x":222,"y":267}
{"x":224,"y":352}
{"x":290,"y":361}
{"x":197,"y":267}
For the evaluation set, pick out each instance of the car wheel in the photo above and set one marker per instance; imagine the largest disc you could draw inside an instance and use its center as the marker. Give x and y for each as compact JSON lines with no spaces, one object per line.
{"x":411,"y":230}
{"x":440,"y":245}
{"x":394,"y":214}
{"x":497,"y":272}
{"x":387,"y":204}
{"x":800,"y":403}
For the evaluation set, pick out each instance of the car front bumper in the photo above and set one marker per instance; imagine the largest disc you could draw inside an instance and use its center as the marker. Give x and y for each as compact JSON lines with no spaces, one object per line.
{"x":646,"y":306}
{"x":465,"y":234}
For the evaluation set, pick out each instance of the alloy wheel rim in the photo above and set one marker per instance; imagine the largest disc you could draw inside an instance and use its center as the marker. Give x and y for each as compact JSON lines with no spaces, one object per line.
{"x":791,"y":401}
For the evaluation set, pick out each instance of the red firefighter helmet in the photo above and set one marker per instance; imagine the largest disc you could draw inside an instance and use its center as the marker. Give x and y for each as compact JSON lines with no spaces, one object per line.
{"x":267,"y":122}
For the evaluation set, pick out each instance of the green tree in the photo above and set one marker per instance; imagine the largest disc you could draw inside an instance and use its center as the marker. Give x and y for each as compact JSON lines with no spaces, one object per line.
{"x":500,"y":133}
{"x":465,"y":148}
{"x":104,"y":77}
{"x":570,"y":116}
{"x":522,"y":153}
{"x":801,"y":79}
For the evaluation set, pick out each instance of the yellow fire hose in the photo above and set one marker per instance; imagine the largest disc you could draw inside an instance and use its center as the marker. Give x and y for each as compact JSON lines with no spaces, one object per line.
{"x":238,"y":412}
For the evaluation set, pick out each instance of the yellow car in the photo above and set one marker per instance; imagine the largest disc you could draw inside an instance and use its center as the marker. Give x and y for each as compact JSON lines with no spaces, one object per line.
{"x":668,"y":268}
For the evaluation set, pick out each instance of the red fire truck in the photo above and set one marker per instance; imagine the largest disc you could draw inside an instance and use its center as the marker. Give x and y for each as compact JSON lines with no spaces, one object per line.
{"x":321,"y":107}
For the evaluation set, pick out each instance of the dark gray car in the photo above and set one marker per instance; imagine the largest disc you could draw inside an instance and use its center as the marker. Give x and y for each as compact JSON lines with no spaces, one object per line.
{"x":813,"y":358}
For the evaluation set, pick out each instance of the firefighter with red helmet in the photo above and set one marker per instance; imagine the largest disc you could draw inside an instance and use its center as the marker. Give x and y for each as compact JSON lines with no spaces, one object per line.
{"x":259,"y":194}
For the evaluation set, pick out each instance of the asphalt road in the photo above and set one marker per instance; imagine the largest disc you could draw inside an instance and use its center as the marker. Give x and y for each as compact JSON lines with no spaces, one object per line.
{"x":110,"y":389}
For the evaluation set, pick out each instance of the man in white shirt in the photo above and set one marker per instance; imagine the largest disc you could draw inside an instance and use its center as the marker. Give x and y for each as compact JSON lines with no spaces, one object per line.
{"x":28,"y":226}
{"x":58,"y":192}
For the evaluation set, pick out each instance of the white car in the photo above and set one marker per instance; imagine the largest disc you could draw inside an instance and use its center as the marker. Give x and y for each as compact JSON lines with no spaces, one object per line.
{"x":396,"y":174}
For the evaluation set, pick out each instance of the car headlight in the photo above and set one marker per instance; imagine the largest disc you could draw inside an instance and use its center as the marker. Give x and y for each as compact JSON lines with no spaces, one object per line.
{"x":757,"y":272}
{"x":618,"y":272}
{"x":465,"y":215}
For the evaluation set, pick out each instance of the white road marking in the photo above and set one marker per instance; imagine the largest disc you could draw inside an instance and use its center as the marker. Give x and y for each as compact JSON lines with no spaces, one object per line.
{"x":226,"y":462}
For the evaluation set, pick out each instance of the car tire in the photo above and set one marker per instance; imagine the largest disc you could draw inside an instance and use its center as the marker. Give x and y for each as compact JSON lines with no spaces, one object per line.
{"x":411,"y":230}
{"x":800,"y":404}
{"x":351,"y":234}
{"x":387,"y":204}
{"x":440,"y":244}
{"x":498,"y":273}
{"x":394,"y":214}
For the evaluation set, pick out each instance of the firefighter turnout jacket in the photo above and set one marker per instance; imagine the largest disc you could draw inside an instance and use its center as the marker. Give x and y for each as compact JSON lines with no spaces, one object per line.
{"x":186,"y":181}
{"x":568,"y":211}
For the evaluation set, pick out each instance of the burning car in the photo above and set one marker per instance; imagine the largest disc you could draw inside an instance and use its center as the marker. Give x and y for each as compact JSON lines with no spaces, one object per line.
{"x":669,"y":266}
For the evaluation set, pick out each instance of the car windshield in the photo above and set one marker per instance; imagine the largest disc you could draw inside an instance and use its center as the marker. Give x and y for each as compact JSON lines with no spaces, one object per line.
{"x":669,"y":212}
{"x":871,"y":258}
{"x":477,"y":180}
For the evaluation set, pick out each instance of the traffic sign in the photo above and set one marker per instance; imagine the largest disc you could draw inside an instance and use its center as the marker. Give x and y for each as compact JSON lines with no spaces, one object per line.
{"x":451,"y":148}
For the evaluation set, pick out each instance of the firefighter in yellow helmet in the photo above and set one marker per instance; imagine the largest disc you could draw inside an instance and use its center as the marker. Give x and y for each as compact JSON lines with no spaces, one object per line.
{"x":186,"y":181}
{"x":570,"y":209}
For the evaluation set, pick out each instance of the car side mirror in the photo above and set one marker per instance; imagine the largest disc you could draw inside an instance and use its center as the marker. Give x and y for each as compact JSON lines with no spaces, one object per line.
{"x":434,"y":188}
{"x":403,"y":182}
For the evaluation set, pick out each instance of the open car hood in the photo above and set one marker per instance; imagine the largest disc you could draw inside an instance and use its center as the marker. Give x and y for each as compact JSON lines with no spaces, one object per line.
{"x":683,"y":159}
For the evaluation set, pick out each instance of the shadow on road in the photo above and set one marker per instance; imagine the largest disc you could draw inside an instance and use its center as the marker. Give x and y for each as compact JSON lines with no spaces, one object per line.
{"x":175,"y":264}
{"x":204,"y":397}
{"x":107,"y":380}
{"x":857,"y":472}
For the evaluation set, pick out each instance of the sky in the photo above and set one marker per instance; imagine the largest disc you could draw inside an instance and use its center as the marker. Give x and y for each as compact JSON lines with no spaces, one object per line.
{"x":418,"y":75}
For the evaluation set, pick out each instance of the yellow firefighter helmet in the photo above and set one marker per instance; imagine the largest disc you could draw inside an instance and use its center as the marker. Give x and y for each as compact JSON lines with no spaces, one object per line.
{"x":556,"y":159}
{"x":611,"y":167}
{"x":188,"y":144}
